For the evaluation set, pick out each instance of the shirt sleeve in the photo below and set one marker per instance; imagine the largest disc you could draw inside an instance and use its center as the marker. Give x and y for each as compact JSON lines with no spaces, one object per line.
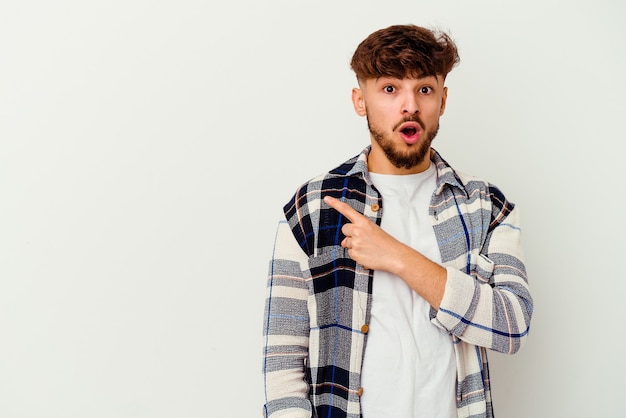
{"x":491,"y":306}
{"x":286,"y":330}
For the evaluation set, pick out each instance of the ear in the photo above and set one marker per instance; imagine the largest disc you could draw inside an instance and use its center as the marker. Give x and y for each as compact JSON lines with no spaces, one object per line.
{"x":358,"y":102}
{"x":444,"y":97}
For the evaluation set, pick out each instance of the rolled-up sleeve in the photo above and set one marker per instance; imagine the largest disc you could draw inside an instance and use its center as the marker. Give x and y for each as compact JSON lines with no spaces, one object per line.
{"x":491,"y":306}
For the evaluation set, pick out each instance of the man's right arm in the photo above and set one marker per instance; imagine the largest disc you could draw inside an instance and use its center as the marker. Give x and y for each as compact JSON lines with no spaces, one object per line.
{"x":286,"y":330}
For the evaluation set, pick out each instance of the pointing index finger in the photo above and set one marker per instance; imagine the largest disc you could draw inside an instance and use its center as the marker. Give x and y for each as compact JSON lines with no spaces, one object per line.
{"x":342,"y":207}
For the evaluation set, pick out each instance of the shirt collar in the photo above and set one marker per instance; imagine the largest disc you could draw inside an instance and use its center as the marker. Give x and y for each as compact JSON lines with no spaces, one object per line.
{"x":357,"y":166}
{"x":445,"y":174}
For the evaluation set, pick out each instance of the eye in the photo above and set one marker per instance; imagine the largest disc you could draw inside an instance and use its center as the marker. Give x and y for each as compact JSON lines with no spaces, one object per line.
{"x":426,"y":90}
{"x":389,"y":89}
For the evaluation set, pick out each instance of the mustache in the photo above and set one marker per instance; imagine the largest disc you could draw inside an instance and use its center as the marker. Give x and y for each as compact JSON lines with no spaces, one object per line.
{"x":410,"y":118}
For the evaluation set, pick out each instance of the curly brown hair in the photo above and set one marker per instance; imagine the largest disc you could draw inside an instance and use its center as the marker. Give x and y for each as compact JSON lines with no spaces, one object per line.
{"x":405,"y":51}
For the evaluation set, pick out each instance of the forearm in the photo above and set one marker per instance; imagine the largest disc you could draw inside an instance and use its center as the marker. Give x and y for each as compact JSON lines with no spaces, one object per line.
{"x":491,"y":306}
{"x":496,"y":317}
{"x":427,"y":278}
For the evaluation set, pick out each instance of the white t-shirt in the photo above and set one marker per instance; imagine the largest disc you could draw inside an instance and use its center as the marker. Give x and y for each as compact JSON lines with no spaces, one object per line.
{"x":409,"y":368}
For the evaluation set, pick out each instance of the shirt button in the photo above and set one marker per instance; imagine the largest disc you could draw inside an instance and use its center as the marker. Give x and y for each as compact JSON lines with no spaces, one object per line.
{"x":359,"y":392}
{"x":375,"y":207}
{"x":365,"y":329}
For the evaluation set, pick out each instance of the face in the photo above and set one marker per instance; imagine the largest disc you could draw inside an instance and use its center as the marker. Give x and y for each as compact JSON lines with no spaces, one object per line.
{"x":403,"y":119}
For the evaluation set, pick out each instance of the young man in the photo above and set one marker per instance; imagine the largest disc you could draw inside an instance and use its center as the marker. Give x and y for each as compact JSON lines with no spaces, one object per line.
{"x":393,"y":274}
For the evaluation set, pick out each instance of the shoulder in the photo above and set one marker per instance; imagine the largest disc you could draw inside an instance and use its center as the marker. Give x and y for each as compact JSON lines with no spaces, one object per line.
{"x":305,"y":210}
{"x":476,"y":190}
{"x":312,"y":190}
{"x":491,"y":196}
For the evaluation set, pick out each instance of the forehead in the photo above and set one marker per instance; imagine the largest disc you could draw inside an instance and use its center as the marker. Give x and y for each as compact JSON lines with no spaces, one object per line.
{"x":410,"y":81}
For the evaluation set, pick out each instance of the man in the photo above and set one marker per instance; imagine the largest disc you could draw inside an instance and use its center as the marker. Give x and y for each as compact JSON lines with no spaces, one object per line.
{"x":393,"y":274}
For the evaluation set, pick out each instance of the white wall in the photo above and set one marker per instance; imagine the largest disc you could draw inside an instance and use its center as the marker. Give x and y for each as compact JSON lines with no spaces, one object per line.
{"x":146,"y":148}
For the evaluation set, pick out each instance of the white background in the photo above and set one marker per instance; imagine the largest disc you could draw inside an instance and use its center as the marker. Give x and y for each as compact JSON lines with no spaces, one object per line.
{"x":147,"y":147}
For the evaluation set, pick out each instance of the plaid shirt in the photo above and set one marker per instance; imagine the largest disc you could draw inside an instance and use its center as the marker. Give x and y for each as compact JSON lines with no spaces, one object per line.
{"x":319,"y":299}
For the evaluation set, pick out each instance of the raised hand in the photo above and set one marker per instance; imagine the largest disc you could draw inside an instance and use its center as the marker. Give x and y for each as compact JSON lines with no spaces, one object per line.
{"x":366,"y":242}
{"x":372,"y":247}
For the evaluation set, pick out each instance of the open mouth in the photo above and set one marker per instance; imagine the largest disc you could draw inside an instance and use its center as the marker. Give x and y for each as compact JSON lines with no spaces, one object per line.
{"x":410,"y":132}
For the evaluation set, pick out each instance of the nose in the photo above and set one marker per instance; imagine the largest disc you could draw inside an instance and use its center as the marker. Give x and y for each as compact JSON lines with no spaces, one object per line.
{"x":410,"y":104}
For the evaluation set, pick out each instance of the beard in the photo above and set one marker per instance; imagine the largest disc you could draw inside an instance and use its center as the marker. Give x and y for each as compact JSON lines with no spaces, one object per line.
{"x":416,"y":153}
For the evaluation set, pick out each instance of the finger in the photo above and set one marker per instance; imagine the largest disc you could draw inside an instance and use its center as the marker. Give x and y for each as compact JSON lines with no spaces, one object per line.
{"x":343,"y":208}
{"x":347,"y":229}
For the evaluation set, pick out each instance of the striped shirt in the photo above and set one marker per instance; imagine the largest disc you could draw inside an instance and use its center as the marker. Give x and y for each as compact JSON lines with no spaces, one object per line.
{"x":318,"y":299}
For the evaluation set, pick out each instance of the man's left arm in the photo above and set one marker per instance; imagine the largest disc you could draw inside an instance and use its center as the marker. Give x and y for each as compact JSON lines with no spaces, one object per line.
{"x":490,"y":307}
